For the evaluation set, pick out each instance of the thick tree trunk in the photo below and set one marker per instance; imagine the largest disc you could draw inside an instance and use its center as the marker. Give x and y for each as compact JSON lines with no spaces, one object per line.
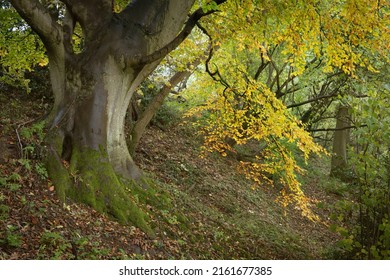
{"x":88,"y":153}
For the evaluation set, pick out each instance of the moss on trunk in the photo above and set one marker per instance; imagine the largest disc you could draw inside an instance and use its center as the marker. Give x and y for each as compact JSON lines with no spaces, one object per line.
{"x":90,"y":178}
{"x":58,"y":173}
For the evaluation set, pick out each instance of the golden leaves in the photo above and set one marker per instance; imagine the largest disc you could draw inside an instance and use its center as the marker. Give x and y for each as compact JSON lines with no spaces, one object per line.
{"x":342,"y":35}
{"x":249,"y":112}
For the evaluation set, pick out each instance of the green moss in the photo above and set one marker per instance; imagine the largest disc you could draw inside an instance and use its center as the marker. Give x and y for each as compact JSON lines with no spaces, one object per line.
{"x":57,"y":171}
{"x":91,"y":179}
{"x":98,"y":185}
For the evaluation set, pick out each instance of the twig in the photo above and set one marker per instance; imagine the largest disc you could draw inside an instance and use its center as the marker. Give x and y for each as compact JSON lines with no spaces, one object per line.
{"x":19,"y":142}
{"x":20,"y":145}
{"x":336,"y":129}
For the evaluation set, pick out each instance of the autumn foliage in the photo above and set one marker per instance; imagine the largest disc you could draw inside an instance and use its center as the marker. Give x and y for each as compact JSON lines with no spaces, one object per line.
{"x":242,"y":108}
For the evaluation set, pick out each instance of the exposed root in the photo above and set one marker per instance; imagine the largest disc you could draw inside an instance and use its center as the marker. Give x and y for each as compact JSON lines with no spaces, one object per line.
{"x":89,"y":178}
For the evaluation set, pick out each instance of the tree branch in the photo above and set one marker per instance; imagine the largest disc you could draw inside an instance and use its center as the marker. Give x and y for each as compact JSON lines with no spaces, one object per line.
{"x":261,"y":67}
{"x":40,"y":20}
{"x":336,"y":129}
{"x":90,"y":14}
{"x":312,"y":100}
{"x":190,"y":24}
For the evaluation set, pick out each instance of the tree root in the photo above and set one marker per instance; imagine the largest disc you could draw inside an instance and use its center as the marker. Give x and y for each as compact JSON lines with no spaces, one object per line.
{"x":89,"y":178}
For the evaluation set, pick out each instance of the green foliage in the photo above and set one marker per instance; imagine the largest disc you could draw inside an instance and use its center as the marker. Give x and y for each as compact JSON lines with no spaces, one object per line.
{"x":56,"y":246}
{"x":168,"y":114}
{"x":12,"y":238}
{"x":85,"y":249}
{"x":210,"y":6}
{"x":20,"y":48}
{"x":4,"y":211}
{"x":364,"y":215}
{"x":41,"y":171}
{"x":31,"y":139}
{"x":35,"y":131}
{"x":12,"y":182}
{"x":171,"y":218}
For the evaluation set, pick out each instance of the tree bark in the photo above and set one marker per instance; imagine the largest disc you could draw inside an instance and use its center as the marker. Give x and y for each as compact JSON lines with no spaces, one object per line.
{"x":146,"y":116}
{"x":340,"y":141}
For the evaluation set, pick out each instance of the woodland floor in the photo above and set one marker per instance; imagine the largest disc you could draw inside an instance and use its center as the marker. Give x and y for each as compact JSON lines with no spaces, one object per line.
{"x":214,"y":212}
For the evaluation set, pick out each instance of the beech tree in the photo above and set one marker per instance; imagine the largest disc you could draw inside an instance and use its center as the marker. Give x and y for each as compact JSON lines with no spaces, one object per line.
{"x":93,"y":83}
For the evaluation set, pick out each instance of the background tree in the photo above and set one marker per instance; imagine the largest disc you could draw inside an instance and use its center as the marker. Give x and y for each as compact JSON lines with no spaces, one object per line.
{"x":366,"y":230}
{"x":340,"y":142}
{"x":171,"y":76}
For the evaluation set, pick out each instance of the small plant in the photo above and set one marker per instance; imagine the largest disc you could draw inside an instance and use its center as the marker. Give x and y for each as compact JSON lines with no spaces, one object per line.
{"x":12,"y":238}
{"x":41,"y":171}
{"x":12,"y":182}
{"x":54,"y":246}
{"x":31,"y":140}
{"x":4,"y":212}
{"x":85,"y":249}
{"x":171,"y":219}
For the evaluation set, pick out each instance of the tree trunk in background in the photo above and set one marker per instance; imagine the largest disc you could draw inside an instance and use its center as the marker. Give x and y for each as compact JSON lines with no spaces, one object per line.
{"x":146,"y":116}
{"x":340,"y":142}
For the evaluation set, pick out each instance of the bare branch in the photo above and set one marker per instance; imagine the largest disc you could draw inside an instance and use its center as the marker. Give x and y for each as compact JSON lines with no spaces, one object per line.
{"x":332,"y":94}
{"x":336,"y":129}
{"x":261,"y":67}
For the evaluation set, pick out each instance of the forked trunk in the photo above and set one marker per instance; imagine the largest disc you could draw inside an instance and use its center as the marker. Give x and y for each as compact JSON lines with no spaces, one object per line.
{"x":88,"y":155}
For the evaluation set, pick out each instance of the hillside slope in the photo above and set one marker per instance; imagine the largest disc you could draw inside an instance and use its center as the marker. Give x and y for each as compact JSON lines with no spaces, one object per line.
{"x":212,"y":211}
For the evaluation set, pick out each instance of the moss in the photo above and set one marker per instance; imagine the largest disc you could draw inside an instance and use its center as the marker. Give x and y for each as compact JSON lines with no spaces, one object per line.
{"x":58,"y":173}
{"x":90,"y":179}
{"x":59,"y":176}
{"x":161,"y":200}
{"x":98,"y":185}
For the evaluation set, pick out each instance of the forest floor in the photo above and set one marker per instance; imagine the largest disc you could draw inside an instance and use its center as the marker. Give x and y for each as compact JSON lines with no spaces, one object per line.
{"x":214,"y":212}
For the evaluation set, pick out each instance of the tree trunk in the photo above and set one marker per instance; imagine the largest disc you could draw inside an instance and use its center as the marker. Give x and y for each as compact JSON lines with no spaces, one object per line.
{"x":340,"y":141}
{"x":146,"y":116}
{"x":87,"y":145}
{"x":88,"y":158}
